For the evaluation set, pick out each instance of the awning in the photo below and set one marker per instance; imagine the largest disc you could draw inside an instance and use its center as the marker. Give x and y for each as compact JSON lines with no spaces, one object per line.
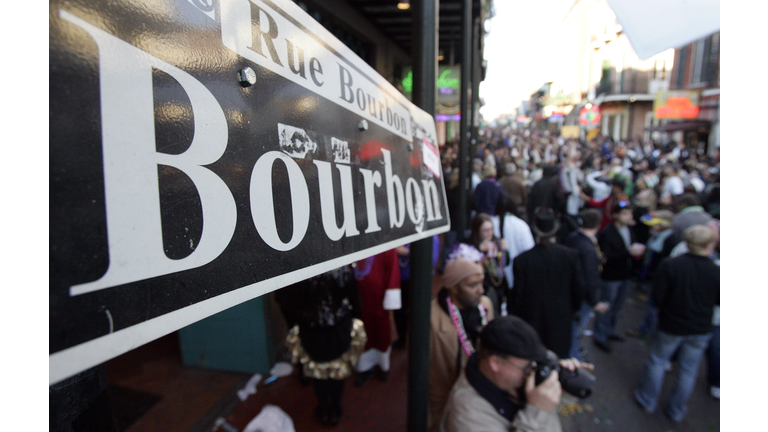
{"x":653,"y":26}
{"x":685,"y":125}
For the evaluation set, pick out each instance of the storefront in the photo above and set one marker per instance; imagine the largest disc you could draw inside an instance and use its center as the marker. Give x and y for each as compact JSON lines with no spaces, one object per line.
{"x":690,"y":117}
{"x":447,"y":110}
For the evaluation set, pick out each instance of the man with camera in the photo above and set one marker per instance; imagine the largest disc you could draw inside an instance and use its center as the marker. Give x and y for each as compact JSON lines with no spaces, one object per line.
{"x":499,"y":389}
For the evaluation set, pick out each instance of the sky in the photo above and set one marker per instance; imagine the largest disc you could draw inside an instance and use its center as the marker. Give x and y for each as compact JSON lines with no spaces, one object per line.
{"x":519,"y":61}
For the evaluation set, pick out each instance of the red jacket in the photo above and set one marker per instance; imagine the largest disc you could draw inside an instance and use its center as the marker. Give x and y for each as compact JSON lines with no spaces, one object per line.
{"x":607,"y":206}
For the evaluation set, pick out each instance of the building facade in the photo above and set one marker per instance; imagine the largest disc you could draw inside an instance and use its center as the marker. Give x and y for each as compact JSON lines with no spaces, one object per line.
{"x":600,"y":67}
{"x":697,"y":70}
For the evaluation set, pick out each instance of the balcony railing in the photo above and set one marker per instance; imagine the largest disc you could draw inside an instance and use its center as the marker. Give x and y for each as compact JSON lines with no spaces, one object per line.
{"x":629,"y":81}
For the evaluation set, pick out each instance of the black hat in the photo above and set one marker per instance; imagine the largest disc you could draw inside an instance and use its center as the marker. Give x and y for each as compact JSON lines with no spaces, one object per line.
{"x":545,"y":223}
{"x":511,"y":335}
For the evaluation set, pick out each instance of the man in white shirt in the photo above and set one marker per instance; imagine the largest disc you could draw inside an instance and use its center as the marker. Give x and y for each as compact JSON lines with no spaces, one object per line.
{"x":513,"y":230}
{"x":673,"y":184}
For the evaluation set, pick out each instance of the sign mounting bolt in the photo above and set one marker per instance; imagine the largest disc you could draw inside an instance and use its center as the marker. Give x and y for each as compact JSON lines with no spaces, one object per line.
{"x":362,"y":125}
{"x":246,"y":77}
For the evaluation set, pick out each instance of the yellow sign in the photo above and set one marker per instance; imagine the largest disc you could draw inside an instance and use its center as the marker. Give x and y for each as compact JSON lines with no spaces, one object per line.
{"x":569,"y":132}
{"x":591,"y":134}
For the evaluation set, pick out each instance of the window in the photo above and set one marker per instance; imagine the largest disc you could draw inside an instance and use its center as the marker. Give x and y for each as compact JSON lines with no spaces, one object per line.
{"x":697,"y":59}
{"x":711,"y":63}
{"x":681,"y":57}
{"x":659,"y":69}
{"x":705,"y":60}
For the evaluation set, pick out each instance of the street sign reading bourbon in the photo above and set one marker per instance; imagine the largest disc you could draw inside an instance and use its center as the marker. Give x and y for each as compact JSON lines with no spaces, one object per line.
{"x":206,"y":153}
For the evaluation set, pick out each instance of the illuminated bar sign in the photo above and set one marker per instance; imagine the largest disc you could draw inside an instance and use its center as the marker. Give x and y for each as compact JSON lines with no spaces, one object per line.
{"x":676,"y":104}
{"x":203,"y":156}
{"x":448,"y":82}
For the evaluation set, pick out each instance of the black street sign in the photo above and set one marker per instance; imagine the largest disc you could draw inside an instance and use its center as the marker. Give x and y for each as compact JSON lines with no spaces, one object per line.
{"x":205,"y":153}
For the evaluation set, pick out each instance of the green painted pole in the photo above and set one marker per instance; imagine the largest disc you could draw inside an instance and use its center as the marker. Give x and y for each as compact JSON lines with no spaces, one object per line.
{"x":425,"y":17}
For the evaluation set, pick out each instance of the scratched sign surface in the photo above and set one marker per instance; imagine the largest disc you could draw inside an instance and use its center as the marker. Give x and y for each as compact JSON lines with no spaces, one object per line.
{"x":205,"y":153}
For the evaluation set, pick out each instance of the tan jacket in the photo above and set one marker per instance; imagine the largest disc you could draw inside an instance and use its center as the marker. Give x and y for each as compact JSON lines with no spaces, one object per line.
{"x":443,"y":349}
{"x":467,"y":410}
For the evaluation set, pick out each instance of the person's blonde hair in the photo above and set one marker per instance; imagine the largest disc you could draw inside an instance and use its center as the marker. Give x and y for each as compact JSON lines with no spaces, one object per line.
{"x":698,"y":237}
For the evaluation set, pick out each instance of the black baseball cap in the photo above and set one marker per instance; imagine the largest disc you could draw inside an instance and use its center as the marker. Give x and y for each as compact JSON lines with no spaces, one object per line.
{"x":511,"y":335}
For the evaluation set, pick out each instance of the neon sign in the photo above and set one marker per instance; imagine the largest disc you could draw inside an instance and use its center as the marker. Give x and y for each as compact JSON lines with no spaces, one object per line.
{"x":445,"y":84}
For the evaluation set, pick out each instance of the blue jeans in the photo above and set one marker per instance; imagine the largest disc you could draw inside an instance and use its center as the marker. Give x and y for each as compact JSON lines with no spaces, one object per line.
{"x":690,"y":351}
{"x":579,"y":325}
{"x":614,"y":293}
{"x":650,"y":320}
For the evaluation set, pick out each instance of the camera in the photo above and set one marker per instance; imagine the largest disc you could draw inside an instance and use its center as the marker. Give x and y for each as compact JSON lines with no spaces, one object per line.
{"x":578,"y":383}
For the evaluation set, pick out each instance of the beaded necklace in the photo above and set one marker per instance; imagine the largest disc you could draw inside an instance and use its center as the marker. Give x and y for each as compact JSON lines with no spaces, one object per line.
{"x":458,"y":323}
{"x":361,"y":271}
{"x":495,"y":268}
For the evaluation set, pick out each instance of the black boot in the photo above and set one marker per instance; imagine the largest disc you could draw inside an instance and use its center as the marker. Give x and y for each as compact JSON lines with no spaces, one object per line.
{"x":322,"y":412}
{"x":383,"y":375}
{"x":335,"y":415}
{"x":363,"y":378}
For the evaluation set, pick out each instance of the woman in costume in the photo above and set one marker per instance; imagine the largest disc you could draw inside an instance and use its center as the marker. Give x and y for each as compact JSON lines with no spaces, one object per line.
{"x":326,"y":334}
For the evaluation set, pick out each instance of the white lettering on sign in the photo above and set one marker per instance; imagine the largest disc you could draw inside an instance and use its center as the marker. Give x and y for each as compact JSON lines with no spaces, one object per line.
{"x":131,"y":160}
{"x":327,"y":206}
{"x":371,"y":179}
{"x":394,"y":193}
{"x":257,"y":32}
{"x":263,"y":207}
{"x":134,"y":229}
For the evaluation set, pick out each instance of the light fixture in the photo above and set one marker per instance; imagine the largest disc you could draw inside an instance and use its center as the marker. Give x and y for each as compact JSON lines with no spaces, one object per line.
{"x":404,"y":4}
{"x":440,"y":56}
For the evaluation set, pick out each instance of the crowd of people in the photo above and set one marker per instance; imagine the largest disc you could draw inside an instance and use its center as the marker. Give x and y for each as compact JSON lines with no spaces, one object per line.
{"x":560,"y":230}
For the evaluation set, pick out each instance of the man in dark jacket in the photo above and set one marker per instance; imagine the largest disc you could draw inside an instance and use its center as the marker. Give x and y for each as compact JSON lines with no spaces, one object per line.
{"x":545,"y":193}
{"x":686,"y":290}
{"x":488,"y":192}
{"x":549,"y":286}
{"x":659,"y":246}
{"x":584,"y":241}
{"x":617,"y":243}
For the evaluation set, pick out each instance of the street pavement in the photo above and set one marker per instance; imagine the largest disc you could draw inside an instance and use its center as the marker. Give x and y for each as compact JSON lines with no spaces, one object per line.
{"x":611,"y":407}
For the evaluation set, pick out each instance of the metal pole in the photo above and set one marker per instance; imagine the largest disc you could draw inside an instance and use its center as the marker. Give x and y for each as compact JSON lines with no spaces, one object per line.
{"x":475,"y":84}
{"x":466,"y":76}
{"x":425,"y":16}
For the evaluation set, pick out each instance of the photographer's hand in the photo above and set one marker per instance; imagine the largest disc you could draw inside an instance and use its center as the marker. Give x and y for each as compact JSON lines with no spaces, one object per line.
{"x":602,"y":307}
{"x":545,"y":396}
{"x":572,"y":364}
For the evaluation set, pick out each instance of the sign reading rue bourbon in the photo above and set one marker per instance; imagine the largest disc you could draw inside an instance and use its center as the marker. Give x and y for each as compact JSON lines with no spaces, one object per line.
{"x":201,"y":157}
